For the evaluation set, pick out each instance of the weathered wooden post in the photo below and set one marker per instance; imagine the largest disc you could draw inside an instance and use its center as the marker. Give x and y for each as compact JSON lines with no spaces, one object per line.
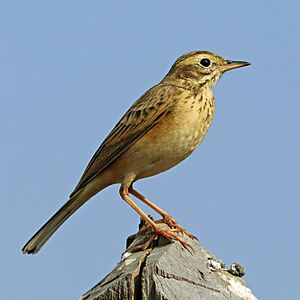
{"x":169,"y":271}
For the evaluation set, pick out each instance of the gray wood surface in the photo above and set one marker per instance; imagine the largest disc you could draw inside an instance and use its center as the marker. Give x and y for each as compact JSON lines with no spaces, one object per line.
{"x":170,"y":271}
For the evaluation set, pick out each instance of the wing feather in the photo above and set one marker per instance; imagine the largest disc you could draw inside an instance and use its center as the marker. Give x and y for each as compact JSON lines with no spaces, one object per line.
{"x":143,"y":115}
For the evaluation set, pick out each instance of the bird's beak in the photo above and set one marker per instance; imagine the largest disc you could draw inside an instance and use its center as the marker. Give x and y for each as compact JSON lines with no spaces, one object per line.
{"x":230,"y":65}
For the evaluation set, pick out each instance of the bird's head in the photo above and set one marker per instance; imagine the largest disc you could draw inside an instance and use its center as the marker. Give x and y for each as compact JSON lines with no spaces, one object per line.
{"x":200,"y":67}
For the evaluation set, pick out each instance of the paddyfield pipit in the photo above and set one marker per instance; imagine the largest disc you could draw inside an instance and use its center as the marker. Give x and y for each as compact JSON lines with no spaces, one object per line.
{"x":162,"y":128}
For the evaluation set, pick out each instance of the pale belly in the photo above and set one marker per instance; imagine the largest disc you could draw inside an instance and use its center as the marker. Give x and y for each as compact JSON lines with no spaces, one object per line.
{"x":167,"y":144}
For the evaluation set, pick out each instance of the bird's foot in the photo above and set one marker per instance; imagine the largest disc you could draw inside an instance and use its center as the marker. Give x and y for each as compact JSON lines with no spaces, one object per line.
{"x":145,"y":245}
{"x":171,"y":235}
{"x":174,"y":225}
{"x":159,"y":229}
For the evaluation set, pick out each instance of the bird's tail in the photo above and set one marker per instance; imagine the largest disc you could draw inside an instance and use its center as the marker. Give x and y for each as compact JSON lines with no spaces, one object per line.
{"x":48,"y":229}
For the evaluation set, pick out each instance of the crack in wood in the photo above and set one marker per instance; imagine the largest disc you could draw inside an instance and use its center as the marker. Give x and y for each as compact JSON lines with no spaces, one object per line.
{"x":167,"y":275}
{"x":138,"y":286}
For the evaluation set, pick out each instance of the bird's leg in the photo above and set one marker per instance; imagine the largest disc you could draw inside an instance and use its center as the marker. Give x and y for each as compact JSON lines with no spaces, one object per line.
{"x":167,"y":218}
{"x":168,"y":234}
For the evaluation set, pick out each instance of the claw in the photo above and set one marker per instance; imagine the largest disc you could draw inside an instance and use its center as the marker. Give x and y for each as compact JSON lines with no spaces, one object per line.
{"x":170,"y":235}
{"x":173,"y":224}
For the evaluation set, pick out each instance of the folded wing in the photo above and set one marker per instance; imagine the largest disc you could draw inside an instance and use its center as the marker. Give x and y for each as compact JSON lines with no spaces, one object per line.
{"x":143,"y":115}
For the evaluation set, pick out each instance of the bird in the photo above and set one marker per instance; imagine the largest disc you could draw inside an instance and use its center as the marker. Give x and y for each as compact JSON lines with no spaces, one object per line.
{"x":162,"y":128}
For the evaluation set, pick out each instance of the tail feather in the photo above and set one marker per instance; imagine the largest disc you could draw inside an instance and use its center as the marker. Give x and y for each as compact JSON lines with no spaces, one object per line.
{"x":48,"y":229}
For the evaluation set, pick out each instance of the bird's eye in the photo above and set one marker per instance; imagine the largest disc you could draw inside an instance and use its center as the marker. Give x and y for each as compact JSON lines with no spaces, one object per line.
{"x":205,"y":62}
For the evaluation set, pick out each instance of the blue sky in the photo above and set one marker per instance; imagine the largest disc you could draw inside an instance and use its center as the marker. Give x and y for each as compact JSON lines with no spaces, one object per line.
{"x":70,"y":69}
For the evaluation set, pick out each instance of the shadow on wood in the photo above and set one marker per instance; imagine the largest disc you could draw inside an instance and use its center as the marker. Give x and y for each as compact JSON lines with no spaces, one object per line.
{"x":170,"y":271}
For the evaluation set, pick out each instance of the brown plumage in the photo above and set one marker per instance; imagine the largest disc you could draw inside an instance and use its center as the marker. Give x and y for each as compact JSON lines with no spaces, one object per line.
{"x":162,"y":128}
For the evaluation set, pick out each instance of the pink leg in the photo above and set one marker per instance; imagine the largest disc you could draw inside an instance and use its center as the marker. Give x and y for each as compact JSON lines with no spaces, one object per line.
{"x":168,"y":234}
{"x":166,"y":217}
